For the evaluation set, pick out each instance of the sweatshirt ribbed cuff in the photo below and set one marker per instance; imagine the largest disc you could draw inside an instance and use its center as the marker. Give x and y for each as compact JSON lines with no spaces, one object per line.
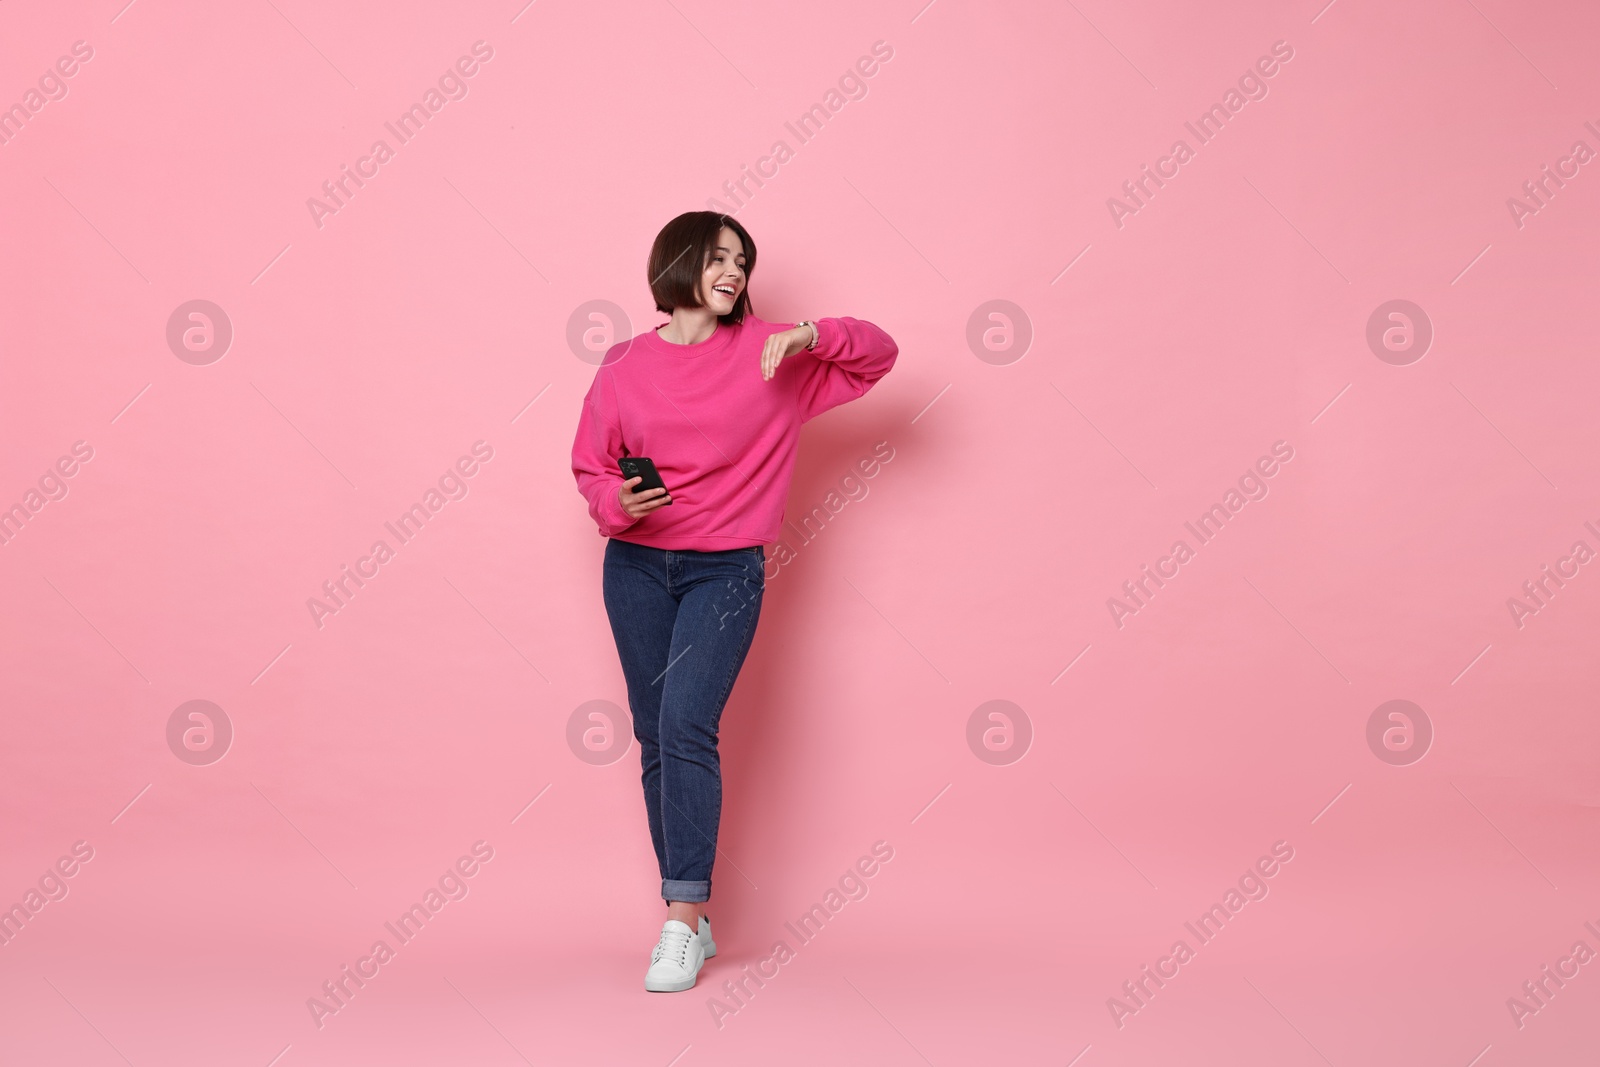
{"x":615,"y":516}
{"x":824,"y":327}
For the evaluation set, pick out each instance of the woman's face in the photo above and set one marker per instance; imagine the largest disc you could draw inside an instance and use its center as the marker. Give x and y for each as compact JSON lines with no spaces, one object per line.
{"x":724,"y":277}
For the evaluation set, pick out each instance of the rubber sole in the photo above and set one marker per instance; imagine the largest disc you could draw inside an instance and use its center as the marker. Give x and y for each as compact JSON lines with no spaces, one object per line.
{"x":673,"y":987}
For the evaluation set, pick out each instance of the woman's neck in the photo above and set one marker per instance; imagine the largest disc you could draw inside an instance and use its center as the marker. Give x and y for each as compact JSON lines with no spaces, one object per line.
{"x":689,"y":326}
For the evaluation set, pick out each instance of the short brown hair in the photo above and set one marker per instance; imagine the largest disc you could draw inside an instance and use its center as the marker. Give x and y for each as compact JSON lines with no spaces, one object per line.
{"x":674,"y":269}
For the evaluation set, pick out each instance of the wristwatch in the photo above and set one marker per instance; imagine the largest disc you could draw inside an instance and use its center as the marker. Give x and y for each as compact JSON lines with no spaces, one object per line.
{"x":816,"y":334}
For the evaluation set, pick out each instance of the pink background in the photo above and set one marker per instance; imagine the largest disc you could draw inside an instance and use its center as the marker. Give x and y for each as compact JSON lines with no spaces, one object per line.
{"x":1167,"y":354}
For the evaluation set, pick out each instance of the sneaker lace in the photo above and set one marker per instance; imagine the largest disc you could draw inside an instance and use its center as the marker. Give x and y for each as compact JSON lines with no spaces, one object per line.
{"x":674,"y":943}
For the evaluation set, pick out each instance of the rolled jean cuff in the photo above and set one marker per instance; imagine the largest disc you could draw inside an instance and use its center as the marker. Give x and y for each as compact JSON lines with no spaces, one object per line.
{"x":688,"y":892}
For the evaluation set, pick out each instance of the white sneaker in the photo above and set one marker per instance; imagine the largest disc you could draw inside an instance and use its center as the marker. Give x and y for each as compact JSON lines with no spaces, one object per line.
{"x":705,"y":937}
{"x":676,"y":960}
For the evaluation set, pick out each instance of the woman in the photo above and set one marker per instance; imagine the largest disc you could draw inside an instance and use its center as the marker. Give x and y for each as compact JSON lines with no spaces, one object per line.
{"x":715,"y":397}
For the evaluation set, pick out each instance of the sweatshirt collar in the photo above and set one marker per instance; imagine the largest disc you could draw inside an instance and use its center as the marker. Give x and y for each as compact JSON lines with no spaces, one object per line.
{"x":715,"y":343}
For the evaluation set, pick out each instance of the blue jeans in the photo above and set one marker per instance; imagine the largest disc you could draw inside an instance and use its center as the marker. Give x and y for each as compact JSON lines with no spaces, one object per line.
{"x":683,"y":621}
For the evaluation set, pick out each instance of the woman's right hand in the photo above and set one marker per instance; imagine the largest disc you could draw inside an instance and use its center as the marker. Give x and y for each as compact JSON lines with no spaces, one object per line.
{"x":638,"y":505}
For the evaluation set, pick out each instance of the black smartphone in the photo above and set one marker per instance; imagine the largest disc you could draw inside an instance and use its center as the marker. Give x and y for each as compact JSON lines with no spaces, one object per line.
{"x":635,"y":466}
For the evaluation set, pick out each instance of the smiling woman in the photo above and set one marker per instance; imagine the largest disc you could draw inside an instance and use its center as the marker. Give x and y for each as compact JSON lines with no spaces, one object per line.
{"x":715,"y":397}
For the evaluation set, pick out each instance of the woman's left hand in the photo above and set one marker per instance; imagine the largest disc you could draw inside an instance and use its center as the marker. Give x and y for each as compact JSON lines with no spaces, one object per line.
{"x":780,"y":346}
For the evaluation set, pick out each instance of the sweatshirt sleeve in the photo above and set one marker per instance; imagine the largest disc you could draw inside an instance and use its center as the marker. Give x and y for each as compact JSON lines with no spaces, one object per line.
{"x":595,"y":451}
{"x":851,"y":355}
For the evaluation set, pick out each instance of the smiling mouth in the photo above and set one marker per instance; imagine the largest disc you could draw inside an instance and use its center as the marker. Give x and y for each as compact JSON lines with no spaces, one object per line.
{"x":725,"y":290}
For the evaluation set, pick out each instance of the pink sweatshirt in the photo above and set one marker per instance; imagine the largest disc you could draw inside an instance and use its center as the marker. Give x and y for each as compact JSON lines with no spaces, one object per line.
{"x":723,"y":440}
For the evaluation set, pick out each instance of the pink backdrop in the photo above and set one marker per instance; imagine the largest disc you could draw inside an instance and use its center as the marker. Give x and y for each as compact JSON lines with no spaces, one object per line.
{"x":1085,"y":368}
